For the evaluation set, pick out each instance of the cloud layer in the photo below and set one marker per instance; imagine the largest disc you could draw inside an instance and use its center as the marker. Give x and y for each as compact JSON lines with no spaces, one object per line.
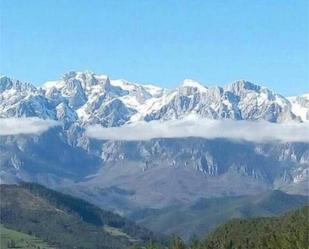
{"x":16,"y":126}
{"x":238,"y":130}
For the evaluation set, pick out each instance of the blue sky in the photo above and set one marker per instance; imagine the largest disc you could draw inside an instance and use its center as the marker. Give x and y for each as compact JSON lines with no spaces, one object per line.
{"x":158,"y":41}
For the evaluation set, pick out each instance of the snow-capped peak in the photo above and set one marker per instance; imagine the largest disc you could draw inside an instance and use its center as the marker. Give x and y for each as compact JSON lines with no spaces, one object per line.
{"x":306,"y":96}
{"x":303,"y":96}
{"x":7,"y":83}
{"x":300,"y":106}
{"x":242,"y":85}
{"x":85,"y":97}
{"x":193,"y":84}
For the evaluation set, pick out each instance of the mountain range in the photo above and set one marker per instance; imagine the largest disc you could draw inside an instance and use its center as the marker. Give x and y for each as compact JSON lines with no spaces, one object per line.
{"x":87,"y":98}
{"x":126,"y":176}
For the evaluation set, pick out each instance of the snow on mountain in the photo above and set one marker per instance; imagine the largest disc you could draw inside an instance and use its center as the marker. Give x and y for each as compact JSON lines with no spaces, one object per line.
{"x":300,"y":106}
{"x":192,"y":84}
{"x":87,"y":98}
{"x":240,"y":100}
{"x":18,"y":99}
{"x":97,"y":99}
{"x":259,"y":103}
{"x":137,"y":94}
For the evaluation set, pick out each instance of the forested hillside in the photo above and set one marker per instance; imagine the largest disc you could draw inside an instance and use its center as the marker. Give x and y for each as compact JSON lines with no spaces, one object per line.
{"x":34,"y":216}
{"x":66,"y":222}
{"x":200,"y":218}
{"x":289,"y":231}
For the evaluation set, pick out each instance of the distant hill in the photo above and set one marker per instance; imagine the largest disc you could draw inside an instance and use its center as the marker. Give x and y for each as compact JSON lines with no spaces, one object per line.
{"x":205,"y":215}
{"x":66,"y":222}
{"x":289,"y":231}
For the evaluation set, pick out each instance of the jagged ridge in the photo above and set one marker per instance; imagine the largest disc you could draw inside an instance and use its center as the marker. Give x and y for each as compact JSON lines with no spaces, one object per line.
{"x":87,"y":98}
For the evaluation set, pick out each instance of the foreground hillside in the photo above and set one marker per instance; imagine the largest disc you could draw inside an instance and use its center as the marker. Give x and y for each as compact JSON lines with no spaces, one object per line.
{"x":14,"y":239}
{"x":33,"y":216}
{"x":66,"y":222}
{"x":289,"y":231}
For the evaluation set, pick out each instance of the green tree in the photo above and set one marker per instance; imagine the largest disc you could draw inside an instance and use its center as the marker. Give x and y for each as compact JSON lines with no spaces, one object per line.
{"x":177,"y":243}
{"x":194,"y":242}
{"x":12,"y":244}
{"x":151,"y":245}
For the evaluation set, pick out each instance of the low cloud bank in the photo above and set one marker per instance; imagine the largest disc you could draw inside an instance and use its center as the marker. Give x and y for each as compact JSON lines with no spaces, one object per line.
{"x":238,"y":130}
{"x":16,"y":126}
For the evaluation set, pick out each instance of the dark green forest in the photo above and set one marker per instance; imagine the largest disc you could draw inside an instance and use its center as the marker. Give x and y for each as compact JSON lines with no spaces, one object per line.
{"x":67,"y":222}
{"x":289,"y":231}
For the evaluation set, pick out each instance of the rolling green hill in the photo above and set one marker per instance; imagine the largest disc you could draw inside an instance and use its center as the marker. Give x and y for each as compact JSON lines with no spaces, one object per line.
{"x":205,"y":215}
{"x":33,"y":216}
{"x":10,"y":239}
{"x":66,"y":222}
{"x":289,"y":231}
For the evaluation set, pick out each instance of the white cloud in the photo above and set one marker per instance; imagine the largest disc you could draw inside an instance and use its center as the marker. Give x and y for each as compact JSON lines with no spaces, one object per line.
{"x":240,"y":130}
{"x":16,"y":126}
